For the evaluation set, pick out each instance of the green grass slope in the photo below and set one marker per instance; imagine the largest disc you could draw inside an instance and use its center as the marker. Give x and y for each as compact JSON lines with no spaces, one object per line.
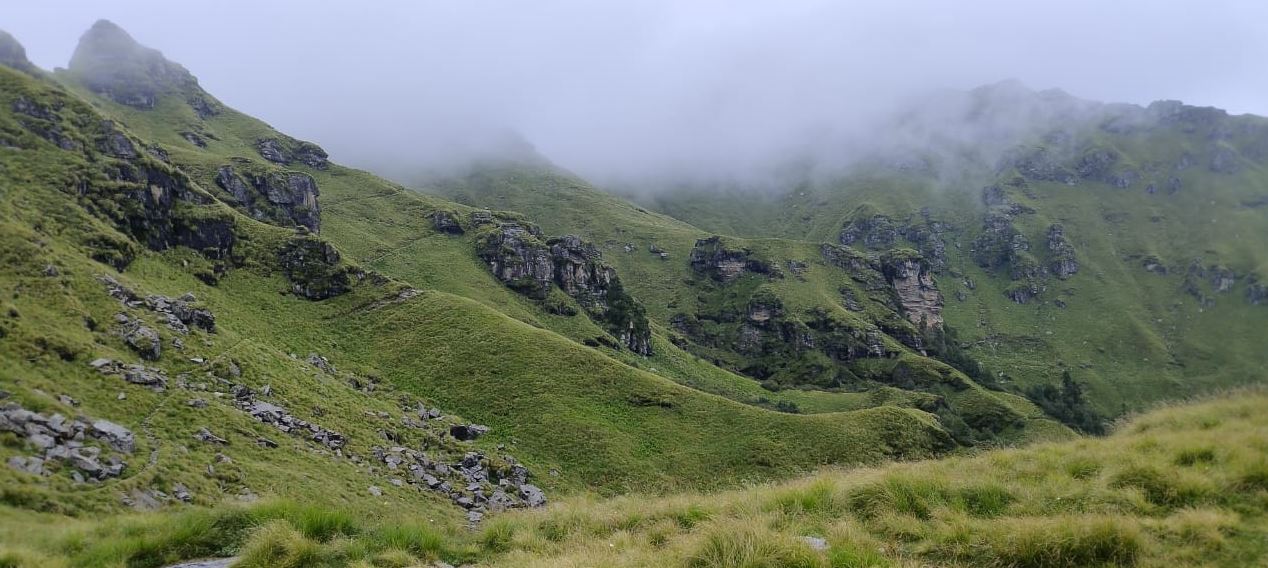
{"x":651,"y":252}
{"x":1157,"y":212}
{"x":72,"y":214}
{"x":1179,"y":486}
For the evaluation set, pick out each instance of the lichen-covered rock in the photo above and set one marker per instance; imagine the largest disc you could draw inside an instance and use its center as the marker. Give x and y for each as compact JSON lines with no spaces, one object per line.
{"x":1062,"y":260}
{"x":912,"y":280}
{"x":312,"y":266}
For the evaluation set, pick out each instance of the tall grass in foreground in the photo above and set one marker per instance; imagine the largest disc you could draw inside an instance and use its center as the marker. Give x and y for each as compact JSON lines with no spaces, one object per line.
{"x":1181,"y":486}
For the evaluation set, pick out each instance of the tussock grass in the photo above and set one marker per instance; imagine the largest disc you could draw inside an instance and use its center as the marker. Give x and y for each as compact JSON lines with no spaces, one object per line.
{"x":1171,"y":493}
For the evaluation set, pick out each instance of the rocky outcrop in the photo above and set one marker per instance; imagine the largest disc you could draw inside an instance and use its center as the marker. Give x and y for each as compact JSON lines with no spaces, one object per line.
{"x":13,"y":55}
{"x":286,"y":151}
{"x":1000,"y":246}
{"x":912,"y":280}
{"x":111,"y":64}
{"x":879,"y":232}
{"x":179,"y":313}
{"x":519,"y":257}
{"x":313,"y":269}
{"x":711,"y":256}
{"x":148,"y":377}
{"x":1039,"y":163}
{"x":246,"y":400}
{"x":1256,"y":291}
{"x":1062,"y":260}
{"x":447,"y":223}
{"x":283,"y":198}
{"x":55,"y":438}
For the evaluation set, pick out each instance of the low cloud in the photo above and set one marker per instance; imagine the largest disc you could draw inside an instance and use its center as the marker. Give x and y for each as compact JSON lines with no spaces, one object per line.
{"x":641,"y":92}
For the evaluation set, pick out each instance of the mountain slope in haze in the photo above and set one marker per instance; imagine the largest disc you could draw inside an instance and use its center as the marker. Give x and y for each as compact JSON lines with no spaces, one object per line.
{"x":440,"y":245}
{"x":1113,"y":244}
{"x":203,"y":309}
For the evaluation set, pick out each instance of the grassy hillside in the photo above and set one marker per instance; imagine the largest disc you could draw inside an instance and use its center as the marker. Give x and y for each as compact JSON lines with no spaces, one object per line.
{"x":1161,"y":208}
{"x":1179,"y":486}
{"x":652,"y":253}
{"x":112,"y":224}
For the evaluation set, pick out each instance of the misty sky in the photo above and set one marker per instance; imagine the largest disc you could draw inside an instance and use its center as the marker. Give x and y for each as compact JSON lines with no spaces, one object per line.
{"x":615,"y":90}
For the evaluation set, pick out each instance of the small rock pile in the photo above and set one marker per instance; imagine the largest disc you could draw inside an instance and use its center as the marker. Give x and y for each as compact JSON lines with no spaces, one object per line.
{"x":280,"y":418}
{"x":59,"y":439}
{"x":149,"y":377}
{"x":474,"y":482}
{"x":178,"y":313}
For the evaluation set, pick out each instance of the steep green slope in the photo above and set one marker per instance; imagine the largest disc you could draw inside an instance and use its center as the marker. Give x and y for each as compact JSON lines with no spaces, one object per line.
{"x":234,"y":354}
{"x":440,"y":245}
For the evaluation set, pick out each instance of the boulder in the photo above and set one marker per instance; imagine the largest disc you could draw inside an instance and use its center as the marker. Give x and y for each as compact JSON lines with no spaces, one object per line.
{"x":114,"y":435}
{"x":145,"y":341}
{"x":532,"y":495}
{"x":468,"y":432}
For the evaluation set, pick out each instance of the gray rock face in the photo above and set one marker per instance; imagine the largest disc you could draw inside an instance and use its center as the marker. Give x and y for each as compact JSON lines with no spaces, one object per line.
{"x":518,"y":257}
{"x":179,"y":313}
{"x":205,"y":435}
{"x":879,"y":232}
{"x":532,"y":495}
{"x":110,"y":63}
{"x":117,"y":436}
{"x":282,"y":198}
{"x":1256,"y":291}
{"x":13,"y":55}
{"x":115,"y":143}
{"x":913,"y":284}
